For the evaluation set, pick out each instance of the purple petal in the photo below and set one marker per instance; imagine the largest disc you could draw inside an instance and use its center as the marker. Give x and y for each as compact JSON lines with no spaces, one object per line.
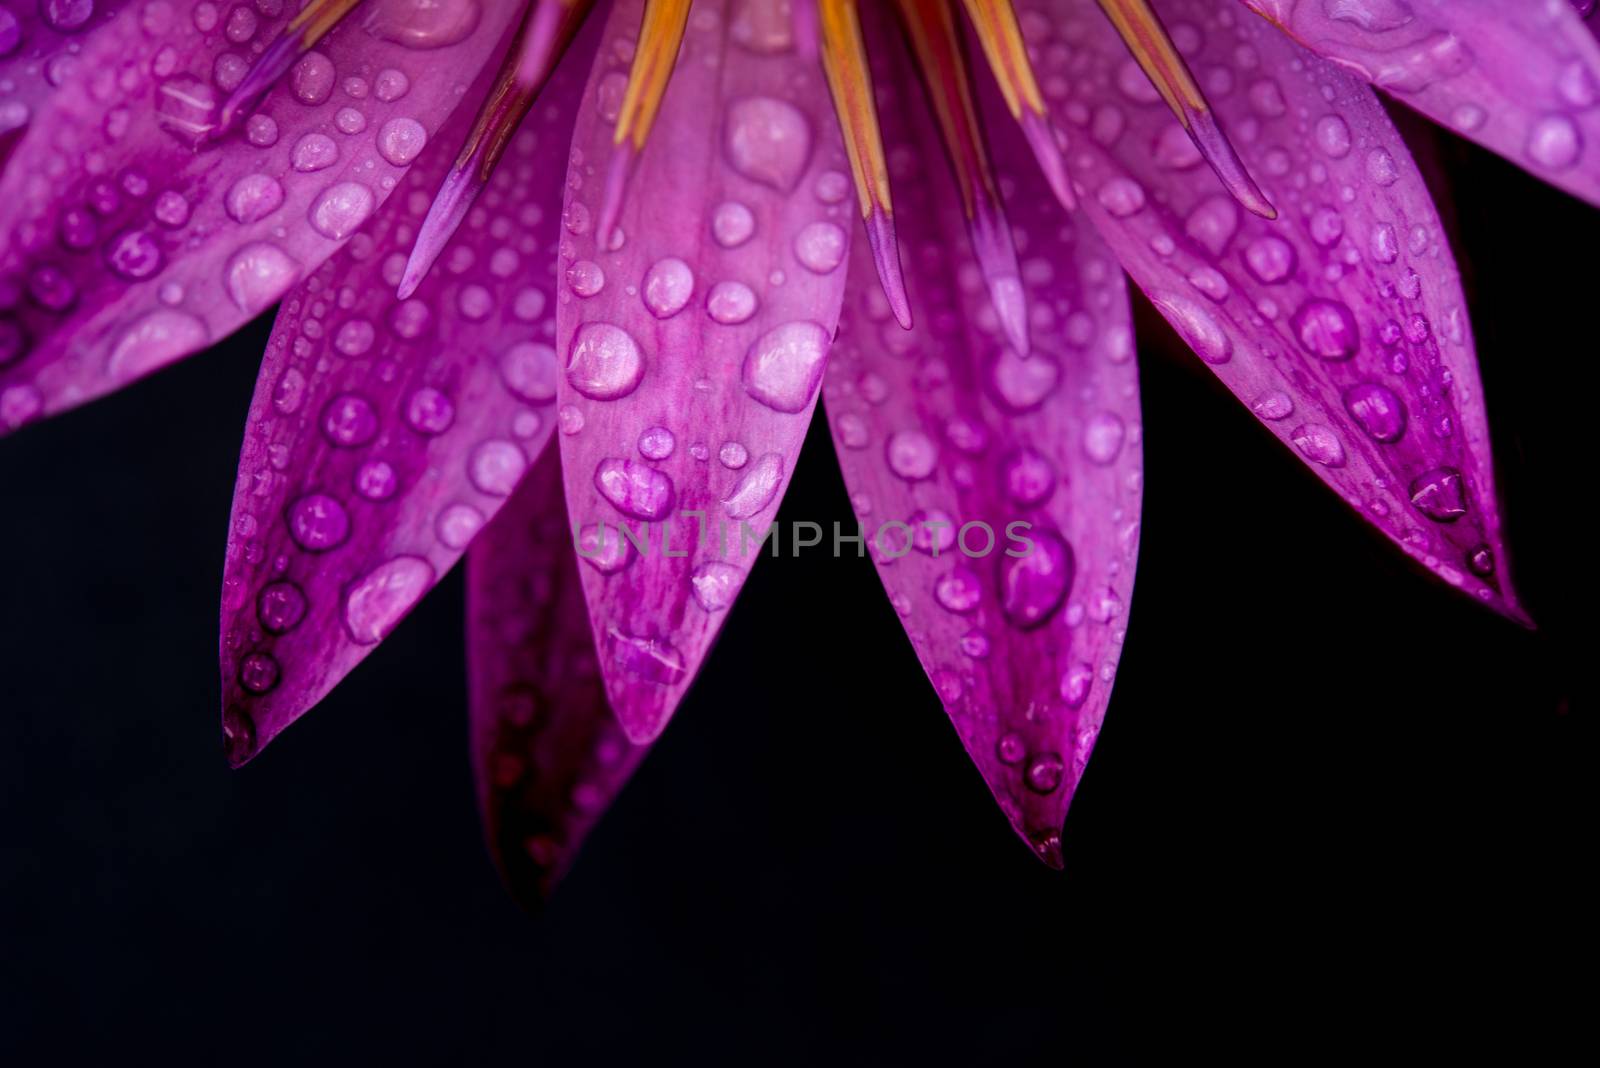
{"x":1342,"y":323}
{"x":547,"y":752}
{"x":1521,"y":79}
{"x":948,"y":425}
{"x":129,"y":238}
{"x":694,"y":350}
{"x":385,"y":432}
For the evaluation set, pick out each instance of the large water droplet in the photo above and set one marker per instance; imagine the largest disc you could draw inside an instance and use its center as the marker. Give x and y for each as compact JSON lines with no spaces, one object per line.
{"x":767,"y":140}
{"x":257,"y":275}
{"x":604,"y":362}
{"x":423,"y":24}
{"x":784,"y":365}
{"x":1327,"y":328}
{"x":376,"y":603}
{"x":318,"y":522}
{"x":341,"y":209}
{"x":756,"y":489}
{"x":715,"y":585}
{"x":1440,"y":495}
{"x":1032,"y":586}
{"x":668,"y":285}
{"x":1319,"y":444}
{"x":634,"y":488}
{"x":1378,"y":411}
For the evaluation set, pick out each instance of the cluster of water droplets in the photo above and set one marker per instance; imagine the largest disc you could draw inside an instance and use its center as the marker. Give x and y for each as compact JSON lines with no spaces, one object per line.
{"x":773,"y":229}
{"x":386,"y":432}
{"x":154,"y":224}
{"x":1339,"y":323}
{"x":999,"y":491}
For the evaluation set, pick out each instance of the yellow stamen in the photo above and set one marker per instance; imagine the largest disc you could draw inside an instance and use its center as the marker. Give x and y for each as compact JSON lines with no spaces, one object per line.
{"x":844,"y":61}
{"x":1001,"y":37}
{"x":1154,"y":51}
{"x":660,"y":36}
{"x":317,"y":18}
{"x":931,"y":28}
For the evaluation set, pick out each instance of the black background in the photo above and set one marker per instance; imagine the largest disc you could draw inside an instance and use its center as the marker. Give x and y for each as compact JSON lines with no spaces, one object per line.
{"x":1351,"y":817}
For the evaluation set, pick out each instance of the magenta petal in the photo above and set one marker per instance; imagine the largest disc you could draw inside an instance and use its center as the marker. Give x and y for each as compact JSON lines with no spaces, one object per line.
{"x":546,"y":750}
{"x":693,"y":351}
{"x":130,"y":238}
{"x":1520,"y":78}
{"x":959,"y":453}
{"x":385,"y":432}
{"x":1341,"y":324}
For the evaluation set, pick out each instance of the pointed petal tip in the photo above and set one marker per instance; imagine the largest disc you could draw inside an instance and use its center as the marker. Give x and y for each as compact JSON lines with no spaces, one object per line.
{"x":619,"y":174}
{"x":886,"y":257}
{"x":1047,"y":151}
{"x":1218,"y":151}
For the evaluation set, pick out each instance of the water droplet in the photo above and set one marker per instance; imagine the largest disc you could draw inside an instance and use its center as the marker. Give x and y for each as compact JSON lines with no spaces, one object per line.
{"x":1333,"y":136}
{"x":1319,"y":444}
{"x":1213,"y":222}
{"x":1022,"y":383}
{"x":280,"y":607}
{"x":314,"y":152}
{"x":259,"y":673}
{"x":401,"y":140}
{"x":731,"y":302}
{"x":341,"y":209}
{"x":715,"y":585}
{"x":349,"y":421}
{"x":252,"y":198}
{"x":668,"y":285}
{"x":756,"y":489}
{"x":311,"y":78}
{"x":911,"y":454}
{"x":652,"y":659}
{"x":1011,"y":748}
{"x":528,"y":370}
{"x":732,"y":224}
{"x":819,"y":247}
{"x":1554,"y":142}
{"x":1480,"y":561}
{"x":1102,"y":437}
{"x":376,"y":603}
{"x":604,"y":362}
{"x":496,"y":466}
{"x":783,"y":367}
{"x":134,"y":255}
{"x":1075,"y":684}
{"x":634,"y":488}
{"x":1121,"y":196}
{"x":1380,"y":413}
{"x":423,"y":24}
{"x":768,"y":141}
{"x":604,"y":547}
{"x":376,"y":480}
{"x":586,"y":278}
{"x":1440,"y":495}
{"x":429,"y":411}
{"x":1029,"y":477}
{"x":318,"y":522}
{"x":1032,"y":586}
{"x":1203,"y":333}
{"x":257,"y":275}
{"x":154,"y":340}
{"x":457,"y":525}
{"x":1381,"y":167}
{"x":958,"y":590}
{"x":733,"y":455}
{"x":1327,"y":328}
{"x":1044,"y":773}
{"x":657,"y":443}
{"x":1275,"y":404}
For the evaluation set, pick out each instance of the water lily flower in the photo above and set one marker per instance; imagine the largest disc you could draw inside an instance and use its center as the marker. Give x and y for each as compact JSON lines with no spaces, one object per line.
{"x":564,"y":281}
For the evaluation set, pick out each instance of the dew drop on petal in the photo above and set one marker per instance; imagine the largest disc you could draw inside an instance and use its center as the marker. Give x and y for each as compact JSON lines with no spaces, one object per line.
{"x":604,"y":362}
{"x":783,"y":367}
{"x":376,"y":603}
